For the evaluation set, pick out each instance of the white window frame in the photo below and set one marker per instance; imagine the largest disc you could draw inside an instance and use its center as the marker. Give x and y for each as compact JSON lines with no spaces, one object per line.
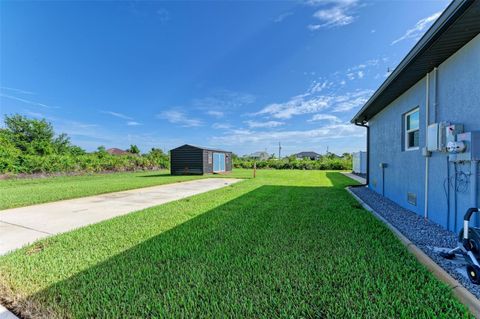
{"x":408,"y":131}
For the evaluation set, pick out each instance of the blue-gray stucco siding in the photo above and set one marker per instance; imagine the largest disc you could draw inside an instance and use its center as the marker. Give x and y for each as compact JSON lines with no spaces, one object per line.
{"x":457,"y":100}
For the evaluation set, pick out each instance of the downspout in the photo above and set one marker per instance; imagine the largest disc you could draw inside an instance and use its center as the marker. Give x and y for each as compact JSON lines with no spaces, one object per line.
{"x":363,"y":124}
{"x":427,"y":106}
{"x":435,"y":95}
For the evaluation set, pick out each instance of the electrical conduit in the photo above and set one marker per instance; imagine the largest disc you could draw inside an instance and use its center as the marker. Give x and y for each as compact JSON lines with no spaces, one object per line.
{"x":427,"y":102}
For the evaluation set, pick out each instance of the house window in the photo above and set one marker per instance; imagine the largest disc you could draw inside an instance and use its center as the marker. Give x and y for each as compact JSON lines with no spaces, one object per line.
{"x":209,"y":157}
{"x":412,"y":130}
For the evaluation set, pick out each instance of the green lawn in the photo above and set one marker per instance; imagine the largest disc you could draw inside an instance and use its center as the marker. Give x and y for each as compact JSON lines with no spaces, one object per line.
{"x":287,"y":244}
{"x":23,"y":192}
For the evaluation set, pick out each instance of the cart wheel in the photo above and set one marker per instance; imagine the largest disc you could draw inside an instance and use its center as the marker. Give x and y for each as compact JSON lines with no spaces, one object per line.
{"x":473,"y":246}
{"x":474,"y":274}
{"x":447,"y":255}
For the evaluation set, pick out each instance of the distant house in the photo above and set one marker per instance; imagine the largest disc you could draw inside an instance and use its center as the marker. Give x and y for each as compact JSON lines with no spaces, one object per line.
{"x":423,"y":128}
{"x":117,"y":151}
{"x":189,"y":159}
{"x":308,"y":155}
{"x":261,"y":156}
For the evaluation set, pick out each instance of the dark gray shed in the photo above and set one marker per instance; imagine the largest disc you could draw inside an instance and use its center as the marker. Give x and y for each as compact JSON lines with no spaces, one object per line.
{"x":189,"y":159}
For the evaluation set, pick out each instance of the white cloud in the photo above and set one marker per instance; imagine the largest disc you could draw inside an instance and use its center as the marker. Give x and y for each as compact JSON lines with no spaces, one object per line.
{"x":217,"y":114}
{"x":34,"y":114}
{"x":313,"y":27}
{"x":333,"y":131}
{"x":364,"y":65}
{"x":337,"y":2}
{"x":133,"y":123}
{"x":318,"y":87}
{"x":221,"y":126}
{"x":116,"y":114}
{"x":14,"y":90}
{"x":325,"y":117}
{"x":419,"y":28}
{"x":282,"y":17}
{"x":338,"y":13}
{"x":360,"y":70}
{"x":349,"y":101}
{"x":295,"y":106}
{"x":178,"y":117}
{"x":267,"y":124}
{"x":163,"y":15}
{"x":11,"y":97}
{"x":223,"y":100}
{"x":307,"y":104}
{"x":333,"y":17}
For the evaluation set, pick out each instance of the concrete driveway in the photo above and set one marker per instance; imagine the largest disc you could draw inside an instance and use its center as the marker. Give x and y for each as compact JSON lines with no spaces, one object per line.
{"x":21,"y":226}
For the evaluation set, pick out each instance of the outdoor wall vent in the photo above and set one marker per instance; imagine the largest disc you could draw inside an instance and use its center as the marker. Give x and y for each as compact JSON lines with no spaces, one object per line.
{"x":412,"y":198}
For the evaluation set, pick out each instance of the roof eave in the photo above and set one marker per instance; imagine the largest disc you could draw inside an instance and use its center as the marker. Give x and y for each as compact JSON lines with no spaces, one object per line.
{"x":448,"y":17}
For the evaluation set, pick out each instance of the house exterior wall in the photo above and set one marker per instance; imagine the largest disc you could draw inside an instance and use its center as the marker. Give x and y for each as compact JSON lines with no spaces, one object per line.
{"x":456,"y":99}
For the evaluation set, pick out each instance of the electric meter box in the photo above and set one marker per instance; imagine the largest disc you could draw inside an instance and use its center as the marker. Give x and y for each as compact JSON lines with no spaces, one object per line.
{"x":436,"y":137}
{"x":472,"y":147}
{"x":451,"y":131}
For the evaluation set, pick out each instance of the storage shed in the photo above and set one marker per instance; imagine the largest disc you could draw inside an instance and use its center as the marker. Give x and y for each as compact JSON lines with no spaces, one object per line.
{"x":359,"y":160}
{"x":188,"y":159}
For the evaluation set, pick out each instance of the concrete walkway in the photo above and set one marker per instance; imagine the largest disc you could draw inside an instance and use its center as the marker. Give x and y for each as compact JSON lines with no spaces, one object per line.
{"x":21,"y":226}
{"x":5,"y":314}
{"x":357,"y":178}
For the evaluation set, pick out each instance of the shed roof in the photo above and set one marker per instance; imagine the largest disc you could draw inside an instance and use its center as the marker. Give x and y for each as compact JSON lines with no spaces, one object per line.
{"x":202,"y":148}
{"x":458,"y":24}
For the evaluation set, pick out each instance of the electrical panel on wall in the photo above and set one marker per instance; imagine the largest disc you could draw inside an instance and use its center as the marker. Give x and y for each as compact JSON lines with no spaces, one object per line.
{"x":436,"y":137}
{"x":451,"y":132}
{"x":466,"y":147}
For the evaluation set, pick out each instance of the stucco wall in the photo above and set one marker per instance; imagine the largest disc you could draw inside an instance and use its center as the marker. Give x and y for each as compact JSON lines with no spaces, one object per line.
{"x":457,"y":101}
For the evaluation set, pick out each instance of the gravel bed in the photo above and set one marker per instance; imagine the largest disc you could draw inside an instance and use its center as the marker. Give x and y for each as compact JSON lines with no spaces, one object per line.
{"x":360,"y":175}
{"x":430,"y":237}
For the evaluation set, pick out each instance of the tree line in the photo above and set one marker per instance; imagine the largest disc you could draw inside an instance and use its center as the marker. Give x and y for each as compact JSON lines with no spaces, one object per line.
{"x":31,"y":146}
{"x":329,"y":161}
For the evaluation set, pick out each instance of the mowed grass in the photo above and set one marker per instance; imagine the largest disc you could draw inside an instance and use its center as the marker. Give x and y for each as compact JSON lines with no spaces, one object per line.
{"x":291,"y":244}
{"x":29,"y":191}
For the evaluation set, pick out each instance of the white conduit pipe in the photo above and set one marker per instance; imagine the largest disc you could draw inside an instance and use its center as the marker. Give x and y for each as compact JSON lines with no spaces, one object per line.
{"x":427,"y":103}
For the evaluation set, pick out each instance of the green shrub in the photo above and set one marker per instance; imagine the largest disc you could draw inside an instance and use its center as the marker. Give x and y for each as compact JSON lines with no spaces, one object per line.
{"x":325,"y":163}
{"x":30,"y":146}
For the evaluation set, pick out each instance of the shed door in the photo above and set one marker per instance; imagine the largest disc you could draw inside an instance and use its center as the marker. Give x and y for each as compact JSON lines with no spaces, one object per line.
{"x":218,"y":162}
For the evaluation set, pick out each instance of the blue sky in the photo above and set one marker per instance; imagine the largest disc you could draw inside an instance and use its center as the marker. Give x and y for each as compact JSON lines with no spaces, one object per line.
{"x":235,"y":75}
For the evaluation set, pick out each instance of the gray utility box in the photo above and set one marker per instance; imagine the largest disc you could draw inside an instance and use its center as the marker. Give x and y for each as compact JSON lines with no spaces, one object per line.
{"x":439,"y":134}
{"x":472,"y":147}
{"x":436,"y":137}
